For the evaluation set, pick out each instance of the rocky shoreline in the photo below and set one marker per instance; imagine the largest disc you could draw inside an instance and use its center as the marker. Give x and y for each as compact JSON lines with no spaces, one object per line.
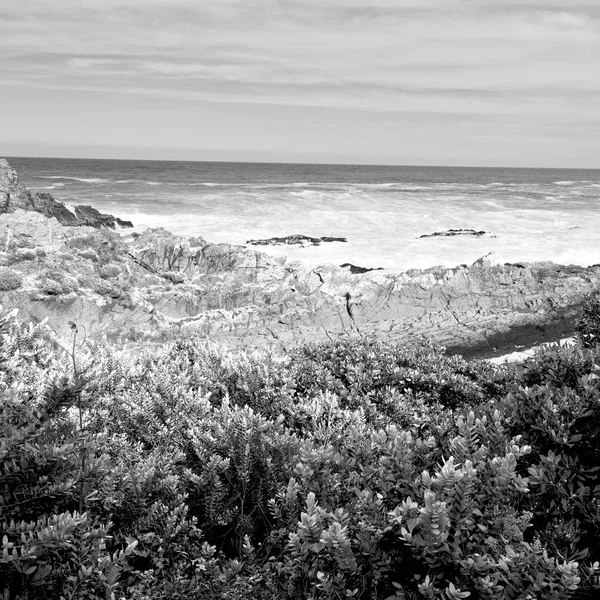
{"x":14,"y":195}
{"x":145,"y":288}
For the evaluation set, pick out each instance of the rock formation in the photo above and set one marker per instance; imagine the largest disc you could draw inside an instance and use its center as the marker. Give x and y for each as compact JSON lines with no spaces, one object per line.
{"x":14,"y":195}
{"x":359,"y":270}
{"x":150,"y":287}
{"x":296,"y":239}
{"x":457,"y":232}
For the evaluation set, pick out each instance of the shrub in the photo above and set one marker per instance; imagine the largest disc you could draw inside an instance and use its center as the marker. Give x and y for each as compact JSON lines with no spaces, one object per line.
{"x":345,"y":470}
{"x":51,"y":544}
{"x":88,"y":254}
{"x":55,"y":283}
{"x":9,"y":279}
{"x":559,"y":417}
{"x":25,"y":254}
{"x":588,"y":325}
{"x":556,"y":365}
{"x":109,"y":271}
{"x":368,"y":370}
{"x":174,"y":277}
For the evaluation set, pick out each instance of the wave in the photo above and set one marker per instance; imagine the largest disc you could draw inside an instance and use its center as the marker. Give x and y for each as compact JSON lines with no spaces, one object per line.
{"x":82,"y":179}
{"x":143,"y":181}
{"x":50,"y":187}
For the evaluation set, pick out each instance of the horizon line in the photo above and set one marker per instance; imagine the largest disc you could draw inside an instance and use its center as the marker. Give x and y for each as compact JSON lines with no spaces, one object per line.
{"x":325,"y":164}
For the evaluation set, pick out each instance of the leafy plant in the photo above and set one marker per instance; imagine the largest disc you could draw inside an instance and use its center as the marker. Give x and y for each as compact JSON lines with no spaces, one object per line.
{"x":588,"y":324}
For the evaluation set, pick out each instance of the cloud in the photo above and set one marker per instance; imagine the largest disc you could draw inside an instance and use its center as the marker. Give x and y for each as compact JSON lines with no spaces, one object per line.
{"x":527,"y":59}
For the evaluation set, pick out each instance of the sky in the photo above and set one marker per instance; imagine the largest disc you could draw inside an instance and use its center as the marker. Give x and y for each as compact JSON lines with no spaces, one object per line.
{"x":427,"y":82}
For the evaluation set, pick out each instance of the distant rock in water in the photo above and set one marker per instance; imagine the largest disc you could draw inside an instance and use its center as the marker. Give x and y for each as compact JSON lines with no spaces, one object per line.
{"x":296,"y":239}
{"x":457,"y":232}
{"x":14,"y":195}
{"x":359,"y":270}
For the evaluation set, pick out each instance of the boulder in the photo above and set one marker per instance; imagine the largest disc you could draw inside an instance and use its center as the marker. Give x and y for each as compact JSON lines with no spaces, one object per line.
{"x":90,"y":216}
{"x":359,"y":270}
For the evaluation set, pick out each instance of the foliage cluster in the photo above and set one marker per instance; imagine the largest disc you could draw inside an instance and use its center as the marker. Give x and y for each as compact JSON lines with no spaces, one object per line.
{"x":588,"y":325}
{"x":54,"y":282}
{"x":9,"y":279}
{"x":354,"y":469}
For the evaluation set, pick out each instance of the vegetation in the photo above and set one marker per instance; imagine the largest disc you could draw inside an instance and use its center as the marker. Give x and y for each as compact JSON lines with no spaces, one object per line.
{"x":353,"y":469}
{"x":588,"y":325}
{"x":9,"y":279}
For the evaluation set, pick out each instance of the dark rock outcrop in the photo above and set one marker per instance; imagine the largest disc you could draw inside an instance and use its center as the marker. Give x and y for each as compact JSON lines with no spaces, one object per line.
{"x":94,"y":218}
{"x":14,"y":195}
{"x":359,"y":270}
{"x":296,"y":239}
{"x":457,"y":232}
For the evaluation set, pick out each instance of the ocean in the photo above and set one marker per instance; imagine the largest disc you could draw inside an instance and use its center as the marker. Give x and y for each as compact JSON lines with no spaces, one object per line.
{"x":527,"y":214}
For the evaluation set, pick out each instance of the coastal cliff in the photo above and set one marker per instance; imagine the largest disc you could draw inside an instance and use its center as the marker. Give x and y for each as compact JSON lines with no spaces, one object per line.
{"x":14,"y":195}
{"x":155,"y":286}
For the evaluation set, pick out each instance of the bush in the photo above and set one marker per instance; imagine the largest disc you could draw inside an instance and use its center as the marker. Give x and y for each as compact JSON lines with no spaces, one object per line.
{"x":9,"y":279}
{"x":559,"y":415}
{"x":174,"y":277}
{"x":25,"y":254}
{"x":109,"y":271}
{"x":88,"y":254}
{"x":345,"y":470}
{"x":588,"y":325}
{"x":55,"y":283}
{"x":52,"y":546}
{"x":369,"y":370}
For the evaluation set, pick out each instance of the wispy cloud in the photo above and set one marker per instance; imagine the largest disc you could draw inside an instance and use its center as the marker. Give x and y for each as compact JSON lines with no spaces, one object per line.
{"x":534,"y":58}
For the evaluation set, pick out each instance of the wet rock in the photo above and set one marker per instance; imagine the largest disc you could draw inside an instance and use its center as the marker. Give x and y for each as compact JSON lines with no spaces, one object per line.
{"x":457,"y":232}
{"x":359,"y":270}
{"x":296,"y":239}
{"x":90,"y":216}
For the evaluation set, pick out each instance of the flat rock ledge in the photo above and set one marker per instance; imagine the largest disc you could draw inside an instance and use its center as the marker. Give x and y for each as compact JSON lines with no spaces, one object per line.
{"x":296,"y":239}
{"x":14,"y":195}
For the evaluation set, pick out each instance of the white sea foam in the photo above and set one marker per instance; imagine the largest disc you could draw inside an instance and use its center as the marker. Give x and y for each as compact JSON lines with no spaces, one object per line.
{"x":388,"y":235}
{"x":142,"y":181}
{"x":50,"y":187}
{"x":82,"y":179}
{"x":554,"y":218}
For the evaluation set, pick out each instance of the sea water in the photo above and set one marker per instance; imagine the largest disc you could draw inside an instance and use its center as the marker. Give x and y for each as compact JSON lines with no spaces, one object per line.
{"x":527,"y":214}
